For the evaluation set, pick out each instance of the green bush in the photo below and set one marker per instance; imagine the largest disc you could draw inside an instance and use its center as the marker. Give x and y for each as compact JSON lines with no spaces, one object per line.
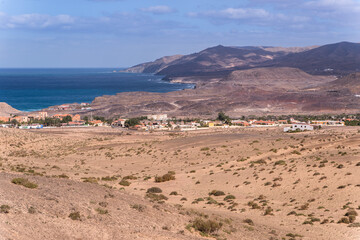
{"x":249,"y":221}
{"x":31,"y":210}
{"x":156,"y":197}
{"x":108,"y":178}
{"x":75,"y":215}
{"x":130,"y":177}
{"x":165,"y":178}
{"x":125,"y":183}
{"x":4,"y":209}
{"x":154,"y":190}
{"x":90,"y":180}
{"x":268,"y":211}
{"x":102,"y":211}
{"x":281,"y":162}
{"x":206,"y":226}
{"x":139,"y":207}
{"x":229,"y":197}
{"x":24,"y":182}
{"x":344,"y":220}
{"x":216,"y":193}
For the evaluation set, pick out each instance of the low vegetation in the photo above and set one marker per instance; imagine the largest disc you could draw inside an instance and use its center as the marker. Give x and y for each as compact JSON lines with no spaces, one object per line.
{"x":166,"y":177}
{"x":216,"y":193}
{"x":24,"y":182}
{"x":4,"y":209}
{"x":154,"y":190}
{"x":75,"y":216}
{"x":206,"y":227}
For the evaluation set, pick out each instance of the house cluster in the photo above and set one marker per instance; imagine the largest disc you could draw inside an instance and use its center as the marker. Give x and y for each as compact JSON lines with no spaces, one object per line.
{"x":329,"y":122}
{"x":163,"y":122}
{"x":30,"y":120}
{"x":24,"y":118}
{"x":71,"y":107}
{"x":297,"y":126}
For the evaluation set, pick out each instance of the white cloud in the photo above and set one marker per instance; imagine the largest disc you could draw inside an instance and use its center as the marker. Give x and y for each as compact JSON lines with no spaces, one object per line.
{"x":242,"y":13}
{"x":119,"y":23}
{"x":161,"y":9}
{"x":335,"y":6}
{"x":34,"y":21}
{"x":248,"y":16}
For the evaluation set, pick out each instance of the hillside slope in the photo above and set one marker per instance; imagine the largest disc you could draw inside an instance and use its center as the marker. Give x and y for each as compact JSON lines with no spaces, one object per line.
{"x":349,"y":83}
{"x":6,"y":109}
{"x":284,"y":78}
{"x":339,"y":58}
{"x":268,"y":183}
{"x":43,"y":213}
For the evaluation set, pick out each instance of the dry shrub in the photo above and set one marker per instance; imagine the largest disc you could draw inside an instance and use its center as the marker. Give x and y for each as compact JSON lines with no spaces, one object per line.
{"x":165,"y":178}
{"x":24,"y":182}
{"x":206,"y":227}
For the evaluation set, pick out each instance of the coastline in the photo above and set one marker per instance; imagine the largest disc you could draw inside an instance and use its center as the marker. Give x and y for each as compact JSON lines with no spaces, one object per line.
{"x":116,"y":81}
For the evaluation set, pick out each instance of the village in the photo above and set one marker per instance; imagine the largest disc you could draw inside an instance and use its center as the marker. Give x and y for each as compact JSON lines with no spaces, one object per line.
{"x":162,"y":122}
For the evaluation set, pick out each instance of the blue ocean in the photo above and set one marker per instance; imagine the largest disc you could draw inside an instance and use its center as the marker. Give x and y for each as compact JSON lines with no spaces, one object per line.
{"x":35,"y":89}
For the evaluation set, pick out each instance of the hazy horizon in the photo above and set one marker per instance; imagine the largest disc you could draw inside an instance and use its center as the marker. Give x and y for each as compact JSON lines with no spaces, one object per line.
{"x":123,"y":33}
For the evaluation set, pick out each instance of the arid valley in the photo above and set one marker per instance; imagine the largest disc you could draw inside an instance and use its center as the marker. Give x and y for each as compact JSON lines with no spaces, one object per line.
{"x":248,"y":183}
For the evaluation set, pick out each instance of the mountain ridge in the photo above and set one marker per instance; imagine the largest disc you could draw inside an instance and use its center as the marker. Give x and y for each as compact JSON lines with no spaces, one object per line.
{"x":331,"y":59}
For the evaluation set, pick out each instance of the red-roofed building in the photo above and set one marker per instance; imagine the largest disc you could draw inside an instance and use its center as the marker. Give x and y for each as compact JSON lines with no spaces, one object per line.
{"x":4,"y":119}
{"x":61,"y":116}
{"x":261,"y":122}
{"x":119,"y":123}
{"x":240,"y":123}
{"x":97,"y":123}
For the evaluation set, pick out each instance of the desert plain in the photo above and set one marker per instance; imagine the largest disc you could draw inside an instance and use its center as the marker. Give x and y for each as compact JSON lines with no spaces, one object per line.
{"x":245,"y":183}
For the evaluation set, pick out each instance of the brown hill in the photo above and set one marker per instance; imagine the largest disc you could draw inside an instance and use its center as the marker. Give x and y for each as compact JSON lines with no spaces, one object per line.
{"x":6,"y":110}
{"x":283,"y":78}
{"x":237,"y":97}
{"x":350,"y":82}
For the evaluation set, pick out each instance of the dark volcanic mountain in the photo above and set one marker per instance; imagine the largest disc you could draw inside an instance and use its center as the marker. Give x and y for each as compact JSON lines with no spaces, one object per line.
{"x":333,"y":59}
{"x":155,"y":66}
{"x":216,"y":60}
{"x":339,"y":59}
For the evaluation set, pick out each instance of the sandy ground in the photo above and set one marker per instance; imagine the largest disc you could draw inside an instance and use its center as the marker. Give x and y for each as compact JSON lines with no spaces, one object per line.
{"x":292,"y":186}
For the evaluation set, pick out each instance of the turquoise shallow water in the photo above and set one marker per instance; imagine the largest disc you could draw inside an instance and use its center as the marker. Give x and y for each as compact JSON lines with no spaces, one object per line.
{"x":34,"y":89}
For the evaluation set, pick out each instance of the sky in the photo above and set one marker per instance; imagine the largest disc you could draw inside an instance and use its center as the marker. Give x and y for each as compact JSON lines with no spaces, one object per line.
{"x":122,"y":33}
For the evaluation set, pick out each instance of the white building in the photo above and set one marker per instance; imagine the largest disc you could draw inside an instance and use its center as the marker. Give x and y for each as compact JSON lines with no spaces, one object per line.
{"x":299,"y":127}
{"x":119,"y":123}
{"x":159,"y":117}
